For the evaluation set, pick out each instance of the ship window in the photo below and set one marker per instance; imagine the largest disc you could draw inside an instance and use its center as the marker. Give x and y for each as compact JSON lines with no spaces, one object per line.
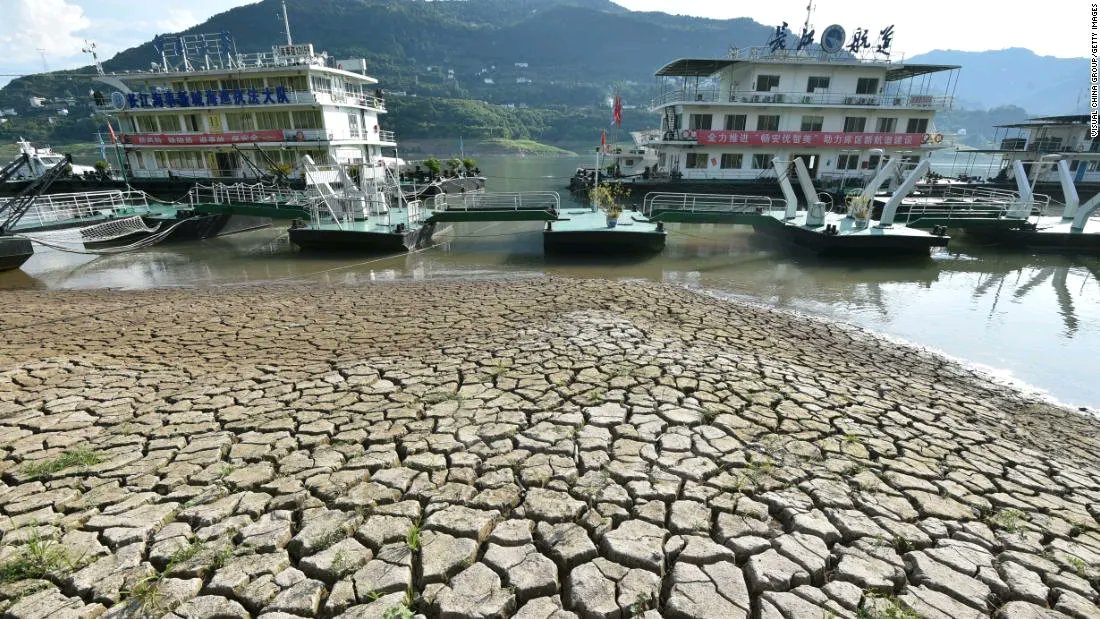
{"x":191,"y":123}
{"x":696,"y":160}
{"x":765,"y":83}
{"x":731,"y":161}
{"x":816,"y":83}
{"x":307,"y":119}
{"x":812,"y":123}
{"x":700,"y":121}
{"x":241,"y":121}
{"x":147,"y":124}
{"x":762,"y":161}
{"x":353,"y":124}
{"x":847,"y":161}
{"x":872,"y":161}
{"x":272,"y":120}
{"x":854,"y":124}
{"x":917,"y":125}
{"x":169,"y":123}
{"x":320,"y":84}
{"x":295,"y":83}
{"x":867,"y":86}
{"x":767,"y":122}
{"x":887,"y":125}
{"x":735,"y":122}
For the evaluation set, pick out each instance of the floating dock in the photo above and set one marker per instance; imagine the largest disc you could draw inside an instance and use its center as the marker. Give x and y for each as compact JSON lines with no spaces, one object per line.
{"x":590,"y":230}
{"x":814,"y":229}
{"x":14,"y":251}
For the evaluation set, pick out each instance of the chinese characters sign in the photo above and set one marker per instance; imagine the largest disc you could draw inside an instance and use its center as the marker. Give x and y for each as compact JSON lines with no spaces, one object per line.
{"x":201,"y":139}
{"x":207,"y":98}
{"x":810,"y":139}
{"x":832,"y":40}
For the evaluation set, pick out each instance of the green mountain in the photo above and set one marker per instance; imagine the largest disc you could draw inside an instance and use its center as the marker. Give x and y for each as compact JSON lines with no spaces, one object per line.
{"x":1042,"y":85}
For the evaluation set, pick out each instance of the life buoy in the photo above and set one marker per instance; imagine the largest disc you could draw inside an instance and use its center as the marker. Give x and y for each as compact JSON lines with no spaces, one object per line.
{"x":924,"y":139}
{"x":938,"y":138}
{"x":685,"y":134}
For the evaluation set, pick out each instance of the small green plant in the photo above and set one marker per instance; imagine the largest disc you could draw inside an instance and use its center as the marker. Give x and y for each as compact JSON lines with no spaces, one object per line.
{"x":1079,"y":566}
{"x":595,"y":395}
{"x":609,"y":198}
{"x":891,"y":608}
{"x":469,"y":164}
{"x":341,"y":565}
{"x":37,"y":559}
{"x":71,"y":458}
{"x":640,"y":605}
{"x":185,"y":554}
{"x":852,"y":439}
{"x":397,"y":612}
{"x":374,"y":595}
{"x":1008,"y":520}
{"x":412,"y":537}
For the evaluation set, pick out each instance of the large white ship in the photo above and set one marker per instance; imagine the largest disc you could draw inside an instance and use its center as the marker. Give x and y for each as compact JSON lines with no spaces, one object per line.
{"x":844,"y":107}
{"x":205,"y":112}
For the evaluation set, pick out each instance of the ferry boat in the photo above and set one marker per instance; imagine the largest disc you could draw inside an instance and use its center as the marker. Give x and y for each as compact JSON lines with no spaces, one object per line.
{"x":32,"y":162}
{"x":842,"y":108}
{"x":1037,"y":143}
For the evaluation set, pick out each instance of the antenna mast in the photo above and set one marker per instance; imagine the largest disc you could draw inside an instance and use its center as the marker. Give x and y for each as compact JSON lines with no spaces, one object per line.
{"x":89,"y":48}
{"x":286,"y":24}
{"x":809,"y":12}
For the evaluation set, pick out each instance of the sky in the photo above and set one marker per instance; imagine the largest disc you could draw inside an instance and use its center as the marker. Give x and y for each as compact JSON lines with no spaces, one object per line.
{"x":49,"y":34}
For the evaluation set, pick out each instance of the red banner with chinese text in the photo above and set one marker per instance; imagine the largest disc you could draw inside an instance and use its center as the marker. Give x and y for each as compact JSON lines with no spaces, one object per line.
{"x":203,"y":139}
{"x":807,"y":139}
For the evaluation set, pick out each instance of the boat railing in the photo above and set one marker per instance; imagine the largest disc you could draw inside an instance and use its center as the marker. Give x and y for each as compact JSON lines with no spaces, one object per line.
{"x":977,"y":203}
{"x":244,"y":193}
{"x":709,"y":203}
{"x":499,"y":201}
{"x":713,"y":95}
{"x":58,"y":207}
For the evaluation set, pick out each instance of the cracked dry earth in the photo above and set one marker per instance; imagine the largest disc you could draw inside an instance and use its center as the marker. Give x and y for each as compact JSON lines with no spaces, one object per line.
{"x":535,"y":448}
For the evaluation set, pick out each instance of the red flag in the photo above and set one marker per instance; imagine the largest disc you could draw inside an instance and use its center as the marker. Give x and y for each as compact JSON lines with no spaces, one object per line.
{"x":603,"y":138}
{"x":617,"y":111}
{"x":111,"y":131}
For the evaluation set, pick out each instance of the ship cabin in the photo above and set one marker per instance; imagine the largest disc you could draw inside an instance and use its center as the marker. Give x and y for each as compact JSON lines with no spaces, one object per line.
{"x":727,"y":118}
{"x":233,"y":116}
{"x":1047,"y":138}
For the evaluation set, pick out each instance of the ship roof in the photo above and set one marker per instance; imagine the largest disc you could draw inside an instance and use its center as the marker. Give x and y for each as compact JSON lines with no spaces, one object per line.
{"x":703,"y":67}
{"x":1049,"y":121}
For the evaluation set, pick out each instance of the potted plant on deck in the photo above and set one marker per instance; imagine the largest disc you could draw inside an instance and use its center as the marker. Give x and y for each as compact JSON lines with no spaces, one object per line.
{"x":608,"y":198}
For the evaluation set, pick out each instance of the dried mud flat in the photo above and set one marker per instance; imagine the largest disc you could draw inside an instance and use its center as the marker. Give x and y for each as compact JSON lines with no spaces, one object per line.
{"x":536,"y":448}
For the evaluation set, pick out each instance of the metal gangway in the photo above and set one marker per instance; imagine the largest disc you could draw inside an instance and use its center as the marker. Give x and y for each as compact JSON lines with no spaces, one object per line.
{"x":83,"y":207}
{"x":962,"y":207}
{"x":257,"y":199}
{"x":495,"y":206}
{"x":709,"y":208}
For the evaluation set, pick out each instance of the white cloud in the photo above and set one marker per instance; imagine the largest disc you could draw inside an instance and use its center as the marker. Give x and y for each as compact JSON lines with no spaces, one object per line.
{"x":177,"y":20}
{"x":49,"y":25}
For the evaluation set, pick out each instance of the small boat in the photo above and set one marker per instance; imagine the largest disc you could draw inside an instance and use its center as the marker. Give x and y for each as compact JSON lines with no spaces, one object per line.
{"x":32,"y":162}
